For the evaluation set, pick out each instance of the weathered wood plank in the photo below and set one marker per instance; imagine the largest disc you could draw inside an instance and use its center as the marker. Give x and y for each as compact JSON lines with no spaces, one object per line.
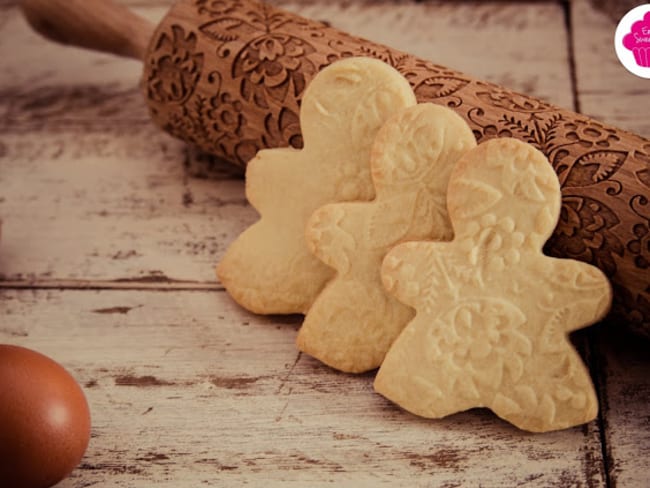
{"x":186,"y":388}
{"x":625,"y":389}
{"x":113,"y":206}
{"x":606,"y":90}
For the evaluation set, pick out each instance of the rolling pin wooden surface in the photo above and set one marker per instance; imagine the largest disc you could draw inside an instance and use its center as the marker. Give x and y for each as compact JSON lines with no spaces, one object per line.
{"x":228,"y":76}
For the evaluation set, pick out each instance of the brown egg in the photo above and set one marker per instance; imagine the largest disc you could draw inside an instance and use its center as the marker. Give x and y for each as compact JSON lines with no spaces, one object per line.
{"x":44,"y":420}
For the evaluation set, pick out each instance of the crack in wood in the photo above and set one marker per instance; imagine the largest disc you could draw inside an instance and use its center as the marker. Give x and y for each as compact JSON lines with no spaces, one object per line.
{"x":141,"y":381}
{"x":153,"y":457}
{"x":285,"y":378}
{"x":234,"y":383}
{"x":111,"y":468}
{"x":13,"y":332}
{"x":452,"y":459}
{"x":598,"y":370}
{"x":88,"y":107}
{"x":114,"y":310}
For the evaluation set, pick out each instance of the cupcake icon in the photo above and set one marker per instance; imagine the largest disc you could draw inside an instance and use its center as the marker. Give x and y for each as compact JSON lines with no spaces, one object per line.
{"x":638,"y":41}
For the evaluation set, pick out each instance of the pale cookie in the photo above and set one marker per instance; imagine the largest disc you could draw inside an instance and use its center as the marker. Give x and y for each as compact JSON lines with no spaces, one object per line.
{"x":353,"y":321}
{"x":269,"y":269}
{"x":493,"y":312}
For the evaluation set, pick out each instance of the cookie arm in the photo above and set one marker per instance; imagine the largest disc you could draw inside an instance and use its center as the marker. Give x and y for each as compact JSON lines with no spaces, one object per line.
{"x":415,"y":272}
{"x":579,"y":294}
{"x":328,"y":238}
{"x":271,"y":177}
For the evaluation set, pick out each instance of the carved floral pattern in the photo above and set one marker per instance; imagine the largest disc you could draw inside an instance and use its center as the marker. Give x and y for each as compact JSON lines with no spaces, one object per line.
{"x":228,"y":76}
{"x":640,"y":246}
{"x":175,"y":67}
{"x":272,"y":67}
{"x":487,"y":332}
{"x":585,"y":232}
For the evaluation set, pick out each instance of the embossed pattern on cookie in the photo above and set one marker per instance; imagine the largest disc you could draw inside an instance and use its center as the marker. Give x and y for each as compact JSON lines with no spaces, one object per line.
{"x":269,"y":269}
{"x":353,"y":321}
{"x":493,"y":312}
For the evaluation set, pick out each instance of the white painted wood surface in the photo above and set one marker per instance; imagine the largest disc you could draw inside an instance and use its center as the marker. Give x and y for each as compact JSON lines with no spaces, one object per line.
{"x":112,"y":229}
{"x":185,"y":388}
{"x":623,"y":364}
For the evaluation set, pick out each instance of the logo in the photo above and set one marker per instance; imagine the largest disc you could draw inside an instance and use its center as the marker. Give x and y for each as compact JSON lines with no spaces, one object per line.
{"x":632,"y":41}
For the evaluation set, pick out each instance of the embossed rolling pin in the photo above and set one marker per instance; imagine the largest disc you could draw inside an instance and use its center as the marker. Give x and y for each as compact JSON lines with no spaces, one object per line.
{"x":228,"y":75}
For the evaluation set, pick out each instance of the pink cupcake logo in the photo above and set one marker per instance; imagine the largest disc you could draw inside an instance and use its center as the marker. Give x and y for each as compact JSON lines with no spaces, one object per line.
{"x":638,"y":41}
{"x":632,"y":41}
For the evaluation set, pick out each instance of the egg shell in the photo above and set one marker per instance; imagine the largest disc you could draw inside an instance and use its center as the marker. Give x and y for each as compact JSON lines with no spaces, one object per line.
{"x":44,"y":420}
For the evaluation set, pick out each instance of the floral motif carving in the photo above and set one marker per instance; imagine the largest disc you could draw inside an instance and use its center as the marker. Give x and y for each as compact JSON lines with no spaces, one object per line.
{"x":496,"y":97}
{"x":593,"y":167}
{"x":272,"y":66}
{"x":229,"y":75}
{"x":175,"y":67}
{"x":639,"y":247}
{"x":217,"y":7}
{"x":586,"y":232}
{"x":643,"y":174}
{"x":633,"y":309}
{"x":439,"y":86}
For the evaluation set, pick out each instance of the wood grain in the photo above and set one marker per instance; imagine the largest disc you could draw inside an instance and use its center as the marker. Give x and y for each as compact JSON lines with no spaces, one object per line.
{"x":105,"y":206}
{"x":186,"y":388}
{"x":625,"y":389}
{"x":101,"y":25}
{"x":107,"y":265}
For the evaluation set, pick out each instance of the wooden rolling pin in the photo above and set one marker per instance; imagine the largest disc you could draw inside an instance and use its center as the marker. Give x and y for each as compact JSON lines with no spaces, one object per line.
{"x":228,"y":75}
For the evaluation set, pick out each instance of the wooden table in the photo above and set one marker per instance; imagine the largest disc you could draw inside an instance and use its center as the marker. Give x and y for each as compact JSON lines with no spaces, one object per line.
{"x":112,"y":230}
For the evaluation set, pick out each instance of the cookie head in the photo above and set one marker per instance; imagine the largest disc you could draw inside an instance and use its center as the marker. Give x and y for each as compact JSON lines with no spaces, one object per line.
{"x":349,"y":101}
{"x":505,"y":177}
{"x":416,"y":145}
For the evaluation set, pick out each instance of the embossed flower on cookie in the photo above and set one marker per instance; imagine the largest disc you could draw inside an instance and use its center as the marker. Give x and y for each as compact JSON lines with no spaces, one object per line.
{"x":489,"y":352}
{"x":495,"y":234}
{"x":638,"y":41}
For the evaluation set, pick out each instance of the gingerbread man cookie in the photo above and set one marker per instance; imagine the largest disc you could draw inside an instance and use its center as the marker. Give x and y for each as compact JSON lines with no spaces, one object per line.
{"x":493,"y":312}
{"x":353,"y":321}
{"x":269,"y":269}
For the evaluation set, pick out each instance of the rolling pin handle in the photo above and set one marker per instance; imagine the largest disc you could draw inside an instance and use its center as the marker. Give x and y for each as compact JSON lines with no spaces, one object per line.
{"x":102,"y":25}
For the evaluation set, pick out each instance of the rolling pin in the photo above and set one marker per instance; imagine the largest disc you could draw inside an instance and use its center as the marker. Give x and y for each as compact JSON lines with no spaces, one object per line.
{"x":228,"y":76}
